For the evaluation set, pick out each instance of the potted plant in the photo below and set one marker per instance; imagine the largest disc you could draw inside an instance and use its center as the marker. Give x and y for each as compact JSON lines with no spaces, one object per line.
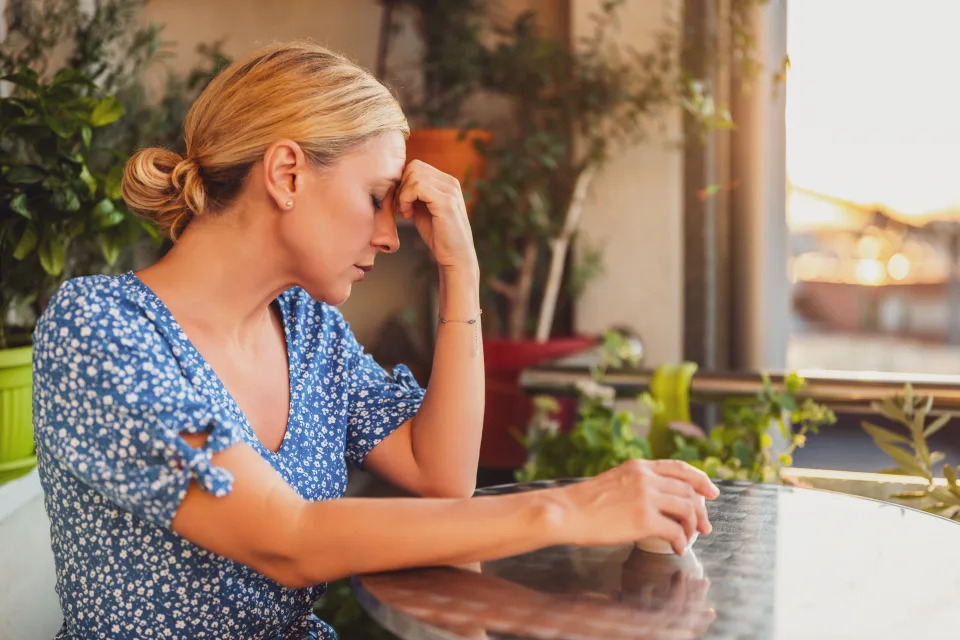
{"x":54,"y":193}
{"x":741,"y":447}
{"x":571,"y":104}
{"x":63,"y":144}
{"x":450,"y":68}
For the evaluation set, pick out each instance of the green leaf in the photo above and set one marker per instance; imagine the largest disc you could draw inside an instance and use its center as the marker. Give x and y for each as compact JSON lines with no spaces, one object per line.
{"x":63,"y":127}
{"x":113,"y":182}
{"x":106,"y":214}
{"x":72,"y":76}
{"x":87,"y":134}
{"x":66,"y":200}
{"x":889,"y":409}
{"x":26,"y":78}
{"x":89,"y":180}
{"x":107,"y":110}
{"x":19,"y":204}
{"x":903,"y":459}
{"x":27,"y":243}
{"x":950,"y":474}
{"x":110,"y":250}
{"x":24,"y":174}
{"x":52,"y":253}
{"x":943,"y":494}
{"x":765,"y":440}
{"x":936,"y":425}
{"x":880,"y":434}
{"x":741,"y":451}
{"x":909,"y":495}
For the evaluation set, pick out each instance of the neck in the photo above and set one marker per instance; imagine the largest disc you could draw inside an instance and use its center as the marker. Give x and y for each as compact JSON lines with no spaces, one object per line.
{"x":219,"y":278}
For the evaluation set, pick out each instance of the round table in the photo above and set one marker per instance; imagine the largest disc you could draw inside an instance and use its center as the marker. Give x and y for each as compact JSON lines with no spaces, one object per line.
{"x":782,"y":562}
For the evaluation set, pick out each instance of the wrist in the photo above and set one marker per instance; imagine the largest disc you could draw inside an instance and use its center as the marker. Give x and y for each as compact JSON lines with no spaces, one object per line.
{"x":467,"y":272}
{"x":552,"y":517}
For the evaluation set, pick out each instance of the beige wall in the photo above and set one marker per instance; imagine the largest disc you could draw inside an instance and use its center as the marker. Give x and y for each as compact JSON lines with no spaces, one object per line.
{"x":351,"y":27}
{"x":635,"y":215}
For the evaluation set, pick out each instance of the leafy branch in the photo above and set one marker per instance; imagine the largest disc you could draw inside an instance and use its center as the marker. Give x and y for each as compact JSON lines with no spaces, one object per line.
{"x":911,"y":453}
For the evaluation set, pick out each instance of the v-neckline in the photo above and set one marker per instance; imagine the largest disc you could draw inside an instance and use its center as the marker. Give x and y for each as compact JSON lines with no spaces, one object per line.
{"x":217,"y":381}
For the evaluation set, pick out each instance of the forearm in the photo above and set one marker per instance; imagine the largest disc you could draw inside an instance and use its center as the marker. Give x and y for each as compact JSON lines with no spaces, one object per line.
{"x":350,"y":536}
{"x":446,"y":430}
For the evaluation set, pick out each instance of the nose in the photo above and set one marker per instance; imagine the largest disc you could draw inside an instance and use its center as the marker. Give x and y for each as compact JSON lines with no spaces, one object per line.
{"x":385,"y":236}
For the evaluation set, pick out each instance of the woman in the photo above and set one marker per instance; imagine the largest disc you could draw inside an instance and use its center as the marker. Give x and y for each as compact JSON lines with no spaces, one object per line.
{"x":194,"y":419}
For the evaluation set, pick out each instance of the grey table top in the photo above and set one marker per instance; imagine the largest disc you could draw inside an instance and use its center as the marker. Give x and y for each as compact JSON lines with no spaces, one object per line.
{"x":781,"y":563}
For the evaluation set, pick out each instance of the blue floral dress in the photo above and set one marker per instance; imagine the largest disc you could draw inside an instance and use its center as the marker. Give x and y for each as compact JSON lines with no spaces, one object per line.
{"x":115,"y":382}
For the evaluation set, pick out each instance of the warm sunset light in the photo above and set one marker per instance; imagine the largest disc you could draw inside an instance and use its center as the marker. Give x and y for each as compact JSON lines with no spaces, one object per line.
{"x":870,"y":272}
{"x":872,"y":114}
{"x":898,"y":266}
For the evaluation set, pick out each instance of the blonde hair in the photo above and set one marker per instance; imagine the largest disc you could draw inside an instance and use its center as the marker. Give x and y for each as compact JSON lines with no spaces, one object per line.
{"x":326,"y":103}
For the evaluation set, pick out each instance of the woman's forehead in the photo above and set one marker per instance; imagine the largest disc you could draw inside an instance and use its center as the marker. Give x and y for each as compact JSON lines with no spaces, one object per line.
{"x":385,"y":155}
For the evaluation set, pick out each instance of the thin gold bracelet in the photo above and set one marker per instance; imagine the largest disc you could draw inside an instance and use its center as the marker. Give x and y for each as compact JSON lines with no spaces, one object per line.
{"x":476,"y":329}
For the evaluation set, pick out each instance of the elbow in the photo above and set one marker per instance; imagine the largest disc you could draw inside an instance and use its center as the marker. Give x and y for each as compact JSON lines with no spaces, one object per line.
{"x":285,"y":570}
{"x":288,"y":560}
{"x":291,"y":579}
{"x":459,"y":489}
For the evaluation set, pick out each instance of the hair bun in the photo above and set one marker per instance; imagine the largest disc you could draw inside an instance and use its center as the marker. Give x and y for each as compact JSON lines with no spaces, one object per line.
{"x":161,"y":186}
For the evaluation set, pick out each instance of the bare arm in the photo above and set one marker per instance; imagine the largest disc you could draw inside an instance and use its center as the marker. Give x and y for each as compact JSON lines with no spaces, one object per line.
{"x":435,"y":453}
{"x":264,"y":524}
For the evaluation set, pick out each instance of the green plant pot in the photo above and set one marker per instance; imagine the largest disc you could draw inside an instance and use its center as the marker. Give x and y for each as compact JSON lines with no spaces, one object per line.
{"x":16,"y":413}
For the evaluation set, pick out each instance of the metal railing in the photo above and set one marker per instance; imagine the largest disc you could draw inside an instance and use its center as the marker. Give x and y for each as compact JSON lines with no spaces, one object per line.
{"x":841,"y":390}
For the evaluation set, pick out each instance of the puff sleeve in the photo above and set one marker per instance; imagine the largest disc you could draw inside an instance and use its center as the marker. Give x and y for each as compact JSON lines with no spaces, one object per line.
{"x":110,"y":401}
{"x":378,"y":402}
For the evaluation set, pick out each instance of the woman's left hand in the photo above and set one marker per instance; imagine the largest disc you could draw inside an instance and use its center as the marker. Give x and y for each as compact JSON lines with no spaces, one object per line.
{"x":434,"y":200}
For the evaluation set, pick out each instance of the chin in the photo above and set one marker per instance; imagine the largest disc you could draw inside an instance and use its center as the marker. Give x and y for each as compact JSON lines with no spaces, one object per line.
{"x":338,"y":296}
{"x":336,"y":301}
{"x":329,"y":295}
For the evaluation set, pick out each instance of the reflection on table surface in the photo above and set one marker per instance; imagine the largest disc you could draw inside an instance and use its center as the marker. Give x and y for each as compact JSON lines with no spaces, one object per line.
{"x":781,"y":563}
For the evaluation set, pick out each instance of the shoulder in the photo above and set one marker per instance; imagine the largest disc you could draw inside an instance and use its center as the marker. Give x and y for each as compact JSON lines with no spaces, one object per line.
{"x":93,"y":309}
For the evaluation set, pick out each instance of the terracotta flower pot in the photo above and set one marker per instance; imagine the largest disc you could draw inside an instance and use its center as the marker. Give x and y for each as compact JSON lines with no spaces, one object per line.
{"x":452,"y":151}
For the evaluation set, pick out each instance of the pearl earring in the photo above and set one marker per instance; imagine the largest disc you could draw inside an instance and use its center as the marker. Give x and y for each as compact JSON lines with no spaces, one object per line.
{"x":289,"y":204}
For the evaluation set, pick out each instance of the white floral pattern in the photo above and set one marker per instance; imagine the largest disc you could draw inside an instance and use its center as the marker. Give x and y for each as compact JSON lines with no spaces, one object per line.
{"x":115,"y":382}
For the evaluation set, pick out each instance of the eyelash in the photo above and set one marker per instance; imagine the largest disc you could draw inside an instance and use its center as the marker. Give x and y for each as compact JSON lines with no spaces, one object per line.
{"x":377,"y":204}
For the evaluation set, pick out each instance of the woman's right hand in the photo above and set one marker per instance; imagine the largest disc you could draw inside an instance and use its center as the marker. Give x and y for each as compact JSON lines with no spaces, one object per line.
{"x":637,"y":499}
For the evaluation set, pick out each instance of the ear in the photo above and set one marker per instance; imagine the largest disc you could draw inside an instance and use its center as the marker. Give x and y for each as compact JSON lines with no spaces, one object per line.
{"x":284,"y":164}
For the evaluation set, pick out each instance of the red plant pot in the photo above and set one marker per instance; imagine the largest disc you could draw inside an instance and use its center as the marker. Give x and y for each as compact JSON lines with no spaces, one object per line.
{"x":508,"y":407}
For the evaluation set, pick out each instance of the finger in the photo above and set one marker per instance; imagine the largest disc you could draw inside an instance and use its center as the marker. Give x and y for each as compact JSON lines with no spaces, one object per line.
{"x":406,"y":196}
{"x":671,"y":485}
{"x":703,"y":519}
{"x":668,"y":529}
{"x":417,"y":189}
{"x":679,"y":488}
{"x":683,"y":511}
{"x":683,"y":471}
